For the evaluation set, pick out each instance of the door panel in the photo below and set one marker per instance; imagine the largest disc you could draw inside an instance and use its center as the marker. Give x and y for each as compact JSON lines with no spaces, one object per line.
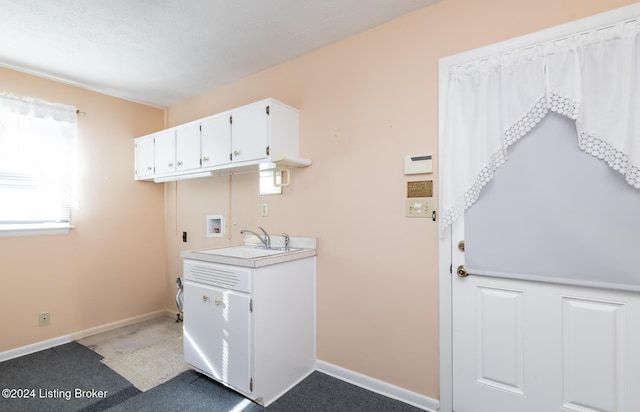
{"x":594,"y":348}
{"x":500,"y":329}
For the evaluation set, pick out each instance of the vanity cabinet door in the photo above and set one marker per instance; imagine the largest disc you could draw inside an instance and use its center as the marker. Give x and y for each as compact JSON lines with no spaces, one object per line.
{"x":217,"y":333}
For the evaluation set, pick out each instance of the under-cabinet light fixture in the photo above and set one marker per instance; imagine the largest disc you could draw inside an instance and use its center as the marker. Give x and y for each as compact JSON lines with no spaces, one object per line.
{"x":182,"y":177}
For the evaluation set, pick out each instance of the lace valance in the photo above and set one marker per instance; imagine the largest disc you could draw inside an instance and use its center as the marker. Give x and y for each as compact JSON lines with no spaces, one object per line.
{"x":592,"y":78}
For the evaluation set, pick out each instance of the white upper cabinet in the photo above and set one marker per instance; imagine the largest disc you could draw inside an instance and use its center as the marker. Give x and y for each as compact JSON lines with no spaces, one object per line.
{"x":250,"y":132}
{"x":188,"y":147}
{"x":144,"y":159}
{"x":216,"y":140}
{"x":165,"y":151}
{"x":231,"y":142}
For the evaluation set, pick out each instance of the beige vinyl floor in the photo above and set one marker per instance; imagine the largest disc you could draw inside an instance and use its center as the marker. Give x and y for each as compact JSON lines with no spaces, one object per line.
{"x":146,"y":353}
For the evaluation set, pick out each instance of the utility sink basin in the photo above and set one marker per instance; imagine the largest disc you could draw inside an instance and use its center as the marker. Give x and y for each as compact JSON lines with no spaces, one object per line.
{"x":254,"y":256}
{"x":246,"y":252}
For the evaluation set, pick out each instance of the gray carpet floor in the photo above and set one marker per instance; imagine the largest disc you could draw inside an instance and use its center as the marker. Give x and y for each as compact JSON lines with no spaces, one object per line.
{"x":50,"y":375}
{"x":49,"y":380}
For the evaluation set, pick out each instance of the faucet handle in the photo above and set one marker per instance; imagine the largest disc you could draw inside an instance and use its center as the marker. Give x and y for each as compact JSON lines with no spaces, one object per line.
{"x":286,"y":241}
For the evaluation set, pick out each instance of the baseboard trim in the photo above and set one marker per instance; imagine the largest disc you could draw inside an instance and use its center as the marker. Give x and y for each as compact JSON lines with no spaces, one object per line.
{"x":61,"y":340}
{"x":378,"y":386}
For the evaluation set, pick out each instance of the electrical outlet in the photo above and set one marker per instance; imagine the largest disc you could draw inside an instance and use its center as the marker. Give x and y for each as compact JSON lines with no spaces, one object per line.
{"x":265,"y":209}
{"x":44,"y":319}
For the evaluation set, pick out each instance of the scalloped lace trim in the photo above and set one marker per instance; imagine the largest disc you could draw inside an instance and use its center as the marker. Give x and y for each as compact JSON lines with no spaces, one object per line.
{"x":592,"y":145}
{"x":616,"y":160}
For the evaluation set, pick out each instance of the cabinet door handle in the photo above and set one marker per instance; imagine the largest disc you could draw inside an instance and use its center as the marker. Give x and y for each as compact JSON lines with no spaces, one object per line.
{"x":179,"y":163}
{"x":218,"y":301}
{"x":236,"y":152}
{"x":205,"y":298}
{"x":170,"y":164}
{"x":205,"y":159}
{"x":149,"y":167}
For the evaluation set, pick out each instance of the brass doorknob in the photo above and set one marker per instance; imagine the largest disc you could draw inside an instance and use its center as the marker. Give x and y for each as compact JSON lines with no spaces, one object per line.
{"x":462,"y":271}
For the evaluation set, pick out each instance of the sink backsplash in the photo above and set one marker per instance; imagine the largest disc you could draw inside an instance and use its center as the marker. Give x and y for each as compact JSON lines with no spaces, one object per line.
{"x":277,"y":241}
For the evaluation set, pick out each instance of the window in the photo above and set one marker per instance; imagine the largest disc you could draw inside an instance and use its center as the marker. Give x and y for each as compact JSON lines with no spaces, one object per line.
{"x":37,"y":166}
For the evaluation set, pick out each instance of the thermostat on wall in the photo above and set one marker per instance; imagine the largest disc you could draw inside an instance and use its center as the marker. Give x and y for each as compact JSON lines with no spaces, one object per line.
{"x":414,"y":165}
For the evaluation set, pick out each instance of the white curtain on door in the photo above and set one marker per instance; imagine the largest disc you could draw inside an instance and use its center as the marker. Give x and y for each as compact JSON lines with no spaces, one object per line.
{"x":592,"y":78}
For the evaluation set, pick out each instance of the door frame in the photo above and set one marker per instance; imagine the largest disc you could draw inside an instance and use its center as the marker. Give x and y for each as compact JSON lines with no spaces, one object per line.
{"x":446,"y":248}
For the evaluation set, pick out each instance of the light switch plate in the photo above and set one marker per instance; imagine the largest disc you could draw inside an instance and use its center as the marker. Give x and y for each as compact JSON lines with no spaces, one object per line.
{"x":419,"y":207}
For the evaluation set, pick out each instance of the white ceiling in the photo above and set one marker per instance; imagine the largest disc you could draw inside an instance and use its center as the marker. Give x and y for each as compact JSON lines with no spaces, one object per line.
{"x":161,"y":52}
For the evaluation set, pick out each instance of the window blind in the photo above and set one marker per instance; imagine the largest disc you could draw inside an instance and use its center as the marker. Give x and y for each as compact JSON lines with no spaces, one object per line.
{"x":37,"y":163}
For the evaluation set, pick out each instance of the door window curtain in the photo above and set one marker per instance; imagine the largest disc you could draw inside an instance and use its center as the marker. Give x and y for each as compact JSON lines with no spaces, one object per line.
{"x":592,"y":78}
{"x":37,"y":163}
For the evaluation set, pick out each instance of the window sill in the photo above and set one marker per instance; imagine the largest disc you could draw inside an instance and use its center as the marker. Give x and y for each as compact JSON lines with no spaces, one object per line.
{"x":34,"y":230}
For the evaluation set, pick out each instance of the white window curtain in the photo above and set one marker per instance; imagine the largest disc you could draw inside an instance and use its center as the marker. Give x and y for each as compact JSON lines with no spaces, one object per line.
{"x":37,"y":164}
{"x":592,"y":78}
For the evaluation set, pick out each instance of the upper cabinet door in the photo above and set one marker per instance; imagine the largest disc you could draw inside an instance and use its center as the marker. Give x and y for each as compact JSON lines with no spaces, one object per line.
{"x":144,"y":162}
{"x":249,"y":132}
{"x":165,"y":151}
{"x":188,"y":146}
{"x":216,"y":140}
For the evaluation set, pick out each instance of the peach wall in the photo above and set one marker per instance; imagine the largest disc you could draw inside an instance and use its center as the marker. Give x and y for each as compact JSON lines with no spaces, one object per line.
{"x":111,"y":266}
{"x":365,"y":102}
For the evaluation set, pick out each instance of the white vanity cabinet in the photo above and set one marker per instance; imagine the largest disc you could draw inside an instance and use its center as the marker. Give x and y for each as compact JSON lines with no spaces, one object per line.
{"x":217,"y":337}
{"x":252,"y":329}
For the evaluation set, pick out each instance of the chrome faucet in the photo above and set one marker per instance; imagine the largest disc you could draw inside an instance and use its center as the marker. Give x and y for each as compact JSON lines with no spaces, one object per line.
{"x":266,"y":241}
{"x":286,"y":242}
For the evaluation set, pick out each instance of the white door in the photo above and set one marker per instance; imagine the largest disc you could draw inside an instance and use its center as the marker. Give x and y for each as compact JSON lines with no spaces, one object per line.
{"x":559,"y":338}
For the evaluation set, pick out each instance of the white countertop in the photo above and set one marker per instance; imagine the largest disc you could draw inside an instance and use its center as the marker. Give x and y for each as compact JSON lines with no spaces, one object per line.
{"x":300,"y":248}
